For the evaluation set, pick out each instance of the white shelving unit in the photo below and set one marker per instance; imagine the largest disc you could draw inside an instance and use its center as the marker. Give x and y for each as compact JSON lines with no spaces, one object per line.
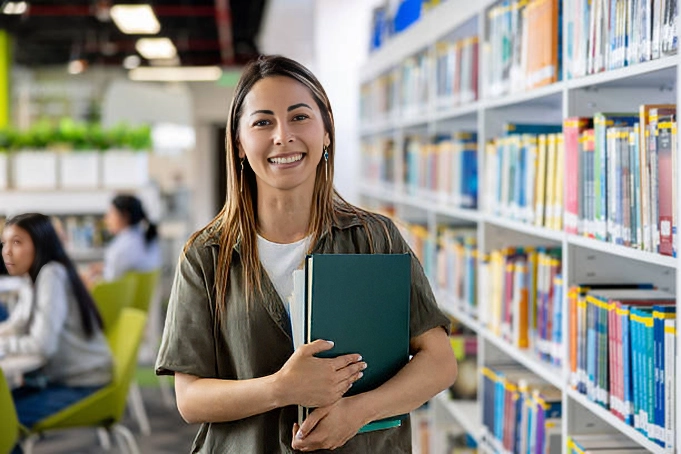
{"x":75,"y":202}
{"x":584,"y":260}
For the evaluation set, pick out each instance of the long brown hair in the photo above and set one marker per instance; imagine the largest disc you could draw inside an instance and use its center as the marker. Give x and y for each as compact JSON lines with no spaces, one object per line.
{"x":237,"y":221}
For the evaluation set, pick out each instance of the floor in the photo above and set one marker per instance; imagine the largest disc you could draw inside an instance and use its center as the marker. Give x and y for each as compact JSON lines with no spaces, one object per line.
{"x":169,"y":433}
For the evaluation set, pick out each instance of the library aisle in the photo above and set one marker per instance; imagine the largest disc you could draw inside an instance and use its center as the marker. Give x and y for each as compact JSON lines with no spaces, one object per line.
{"x":528,"y":150}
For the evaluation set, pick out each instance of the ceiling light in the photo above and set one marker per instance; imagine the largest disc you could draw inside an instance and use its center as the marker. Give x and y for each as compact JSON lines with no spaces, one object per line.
{"x":153,"y":48}
{"x":177,"y":74}
{"x":15,"y":8}
{"x":131,"y":62}
{"x":135,"y":19}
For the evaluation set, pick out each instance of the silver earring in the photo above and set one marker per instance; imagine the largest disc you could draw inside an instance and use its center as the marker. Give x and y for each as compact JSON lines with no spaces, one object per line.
{"x":242,"y":174}
{"x":326,"y":162}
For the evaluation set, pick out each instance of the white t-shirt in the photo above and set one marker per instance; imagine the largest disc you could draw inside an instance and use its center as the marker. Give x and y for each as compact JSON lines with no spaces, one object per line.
{"x":280,"y":261}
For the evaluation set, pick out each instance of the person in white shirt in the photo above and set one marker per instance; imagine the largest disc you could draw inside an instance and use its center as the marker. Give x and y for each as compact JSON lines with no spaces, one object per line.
{"x":60,"y":323}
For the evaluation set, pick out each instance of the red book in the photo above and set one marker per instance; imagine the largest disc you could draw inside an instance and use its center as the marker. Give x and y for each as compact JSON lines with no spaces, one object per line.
{"x":574,"y":178}
{"x":665,"y":182}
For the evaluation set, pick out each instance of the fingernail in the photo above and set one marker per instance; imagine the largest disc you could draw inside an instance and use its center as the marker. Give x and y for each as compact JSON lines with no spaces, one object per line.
{"x":331,"y":342}
{"x":359,"y":358}
{"x":361,"y":374}
{"x":364,"y":366}
{"x":299,"y":435}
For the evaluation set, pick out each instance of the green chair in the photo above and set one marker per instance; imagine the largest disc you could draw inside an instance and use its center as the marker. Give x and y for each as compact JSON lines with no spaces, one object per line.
{"x":9,"y":429}
{"x":111,"y":297}
{"x":146,"y":288}
{"x":145,"y":292}
{"x":104,"y":409}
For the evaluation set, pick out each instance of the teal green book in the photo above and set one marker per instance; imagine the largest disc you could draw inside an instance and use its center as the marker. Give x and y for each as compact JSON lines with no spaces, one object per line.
{"x":361,"y":303}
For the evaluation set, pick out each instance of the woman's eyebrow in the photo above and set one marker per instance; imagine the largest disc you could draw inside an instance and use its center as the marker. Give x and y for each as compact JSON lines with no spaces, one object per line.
{"x":266,"y":112}
{"x":295,"y":106}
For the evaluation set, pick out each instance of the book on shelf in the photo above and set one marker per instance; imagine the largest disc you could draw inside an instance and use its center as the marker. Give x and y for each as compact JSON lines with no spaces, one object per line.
{"x":619,"y":353}
{"x":610,"y":34}
{"x":521,"y":412}
{"x":523,"y":46}
{"x":361,"y":303}
{"x":602,"y":443}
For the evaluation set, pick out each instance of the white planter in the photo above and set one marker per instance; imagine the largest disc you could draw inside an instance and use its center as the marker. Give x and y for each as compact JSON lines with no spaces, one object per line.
{"x":79,"y":170}
{"x":125,"y":169}
{"x":3,"y":171}
{"x":34,"y":170}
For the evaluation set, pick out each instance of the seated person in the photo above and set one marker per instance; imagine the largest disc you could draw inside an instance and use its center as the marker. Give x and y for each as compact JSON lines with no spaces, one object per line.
{"x":59,"y":323}
{"x":135,"y":244}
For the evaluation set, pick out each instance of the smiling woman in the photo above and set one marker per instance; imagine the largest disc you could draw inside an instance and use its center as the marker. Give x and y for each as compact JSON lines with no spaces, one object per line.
{"x":227,"y":337}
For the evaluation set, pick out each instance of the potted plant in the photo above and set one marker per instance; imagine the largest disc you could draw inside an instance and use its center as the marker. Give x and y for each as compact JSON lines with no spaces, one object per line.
{"x":126,"y":164}
{"x":33,"y":165}
{"x":79,"y":163}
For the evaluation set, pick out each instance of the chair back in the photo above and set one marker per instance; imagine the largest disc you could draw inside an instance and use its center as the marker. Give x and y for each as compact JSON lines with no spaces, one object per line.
{"x":124,"y":341}
{"x":111,"y":297}
{"x":9,"y":428}
{"x":146,"y":286}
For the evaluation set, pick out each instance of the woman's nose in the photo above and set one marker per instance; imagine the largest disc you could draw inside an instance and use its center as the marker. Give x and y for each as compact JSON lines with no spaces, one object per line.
{"x":284,"y":135}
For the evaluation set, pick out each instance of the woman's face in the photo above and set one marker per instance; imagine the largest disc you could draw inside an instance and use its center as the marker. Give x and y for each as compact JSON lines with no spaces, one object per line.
{"x":18,"y":251}
{"x":114,"y":220}
{"x":281,"y":134}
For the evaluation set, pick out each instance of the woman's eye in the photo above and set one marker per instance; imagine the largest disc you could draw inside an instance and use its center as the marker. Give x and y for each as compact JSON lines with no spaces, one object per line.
{"x":261,"y":123}
{"x":300,"y":117}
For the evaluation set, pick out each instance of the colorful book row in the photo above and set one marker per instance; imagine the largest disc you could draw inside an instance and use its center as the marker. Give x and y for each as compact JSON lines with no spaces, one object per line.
{"x":610,"y":34}
{"x":447,"y":166}
{"x":457,"y":264}
{"x":523,"y":50}
{"x":521,"y":412}
{"x":521,"y":299}
{"x":622,"y":354}
{"x":620,"y":172}
{"x":523,"y":175}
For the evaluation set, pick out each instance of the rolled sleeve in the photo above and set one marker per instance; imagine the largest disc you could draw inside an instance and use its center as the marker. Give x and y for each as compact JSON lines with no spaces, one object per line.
{"x":188,"y":343}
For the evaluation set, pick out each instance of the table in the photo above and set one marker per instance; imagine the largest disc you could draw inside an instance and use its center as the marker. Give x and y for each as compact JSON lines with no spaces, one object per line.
{"x":15,"y":366}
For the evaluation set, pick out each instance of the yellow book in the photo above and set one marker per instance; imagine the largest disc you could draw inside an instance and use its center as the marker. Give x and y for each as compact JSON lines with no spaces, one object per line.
{"x":550,"y":180}
{"x":559,"y":182}
{"x":540,"y":188}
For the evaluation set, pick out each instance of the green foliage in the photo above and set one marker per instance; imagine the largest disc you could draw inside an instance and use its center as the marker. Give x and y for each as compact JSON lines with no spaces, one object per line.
{"x":77,"y":136}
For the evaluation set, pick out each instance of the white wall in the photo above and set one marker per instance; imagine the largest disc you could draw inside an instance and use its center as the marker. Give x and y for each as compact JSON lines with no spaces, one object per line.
{"x":210,"y":109}
{"x":341,"y":42}
{"x":288,"y":29}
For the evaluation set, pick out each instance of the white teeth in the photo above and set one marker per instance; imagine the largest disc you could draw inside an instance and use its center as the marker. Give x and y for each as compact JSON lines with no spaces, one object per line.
{"x":287,"y":160}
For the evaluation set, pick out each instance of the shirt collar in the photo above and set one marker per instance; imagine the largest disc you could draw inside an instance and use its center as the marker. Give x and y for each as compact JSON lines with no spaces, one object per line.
{"x":341,"y":221}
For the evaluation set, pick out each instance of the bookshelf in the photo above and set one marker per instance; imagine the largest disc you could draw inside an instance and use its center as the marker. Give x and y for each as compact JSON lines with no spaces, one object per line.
{"x":584,"y":260}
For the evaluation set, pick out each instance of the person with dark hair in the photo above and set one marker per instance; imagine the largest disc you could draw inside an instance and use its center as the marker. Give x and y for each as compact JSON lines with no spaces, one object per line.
{"x":227,"y":337}
{"x":135,"y":243}
{"x":63,"y":326}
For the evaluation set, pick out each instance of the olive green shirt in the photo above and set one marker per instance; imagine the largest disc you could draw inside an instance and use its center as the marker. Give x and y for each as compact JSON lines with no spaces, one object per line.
{"x":256,"y":341}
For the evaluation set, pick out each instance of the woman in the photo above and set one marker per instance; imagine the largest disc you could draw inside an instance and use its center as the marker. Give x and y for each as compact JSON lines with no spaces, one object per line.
{"x":63,"y":326}
{"x":135,"y":244}
{"x":227,"y":336}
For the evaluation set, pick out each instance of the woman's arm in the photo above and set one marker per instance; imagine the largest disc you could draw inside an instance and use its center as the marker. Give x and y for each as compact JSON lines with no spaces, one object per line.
{"x":303,"y":380}
{"x":432,"y":369}
{"x":49,"y":316}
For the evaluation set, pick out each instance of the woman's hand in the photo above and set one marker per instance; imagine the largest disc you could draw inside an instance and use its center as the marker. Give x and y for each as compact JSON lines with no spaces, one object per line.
{"x":317,"y":382}
{"x":328,"y":427}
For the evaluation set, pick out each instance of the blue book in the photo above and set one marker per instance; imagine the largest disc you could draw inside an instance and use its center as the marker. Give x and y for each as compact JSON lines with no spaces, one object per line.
{"x":637,"y":366}
{"x":660,"y":314}
{"x":603,"y":121}
{"x":527,"y":128}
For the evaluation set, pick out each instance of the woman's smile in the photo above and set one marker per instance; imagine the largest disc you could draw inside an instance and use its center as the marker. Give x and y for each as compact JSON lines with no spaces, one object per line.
{"x":285,"y":161}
